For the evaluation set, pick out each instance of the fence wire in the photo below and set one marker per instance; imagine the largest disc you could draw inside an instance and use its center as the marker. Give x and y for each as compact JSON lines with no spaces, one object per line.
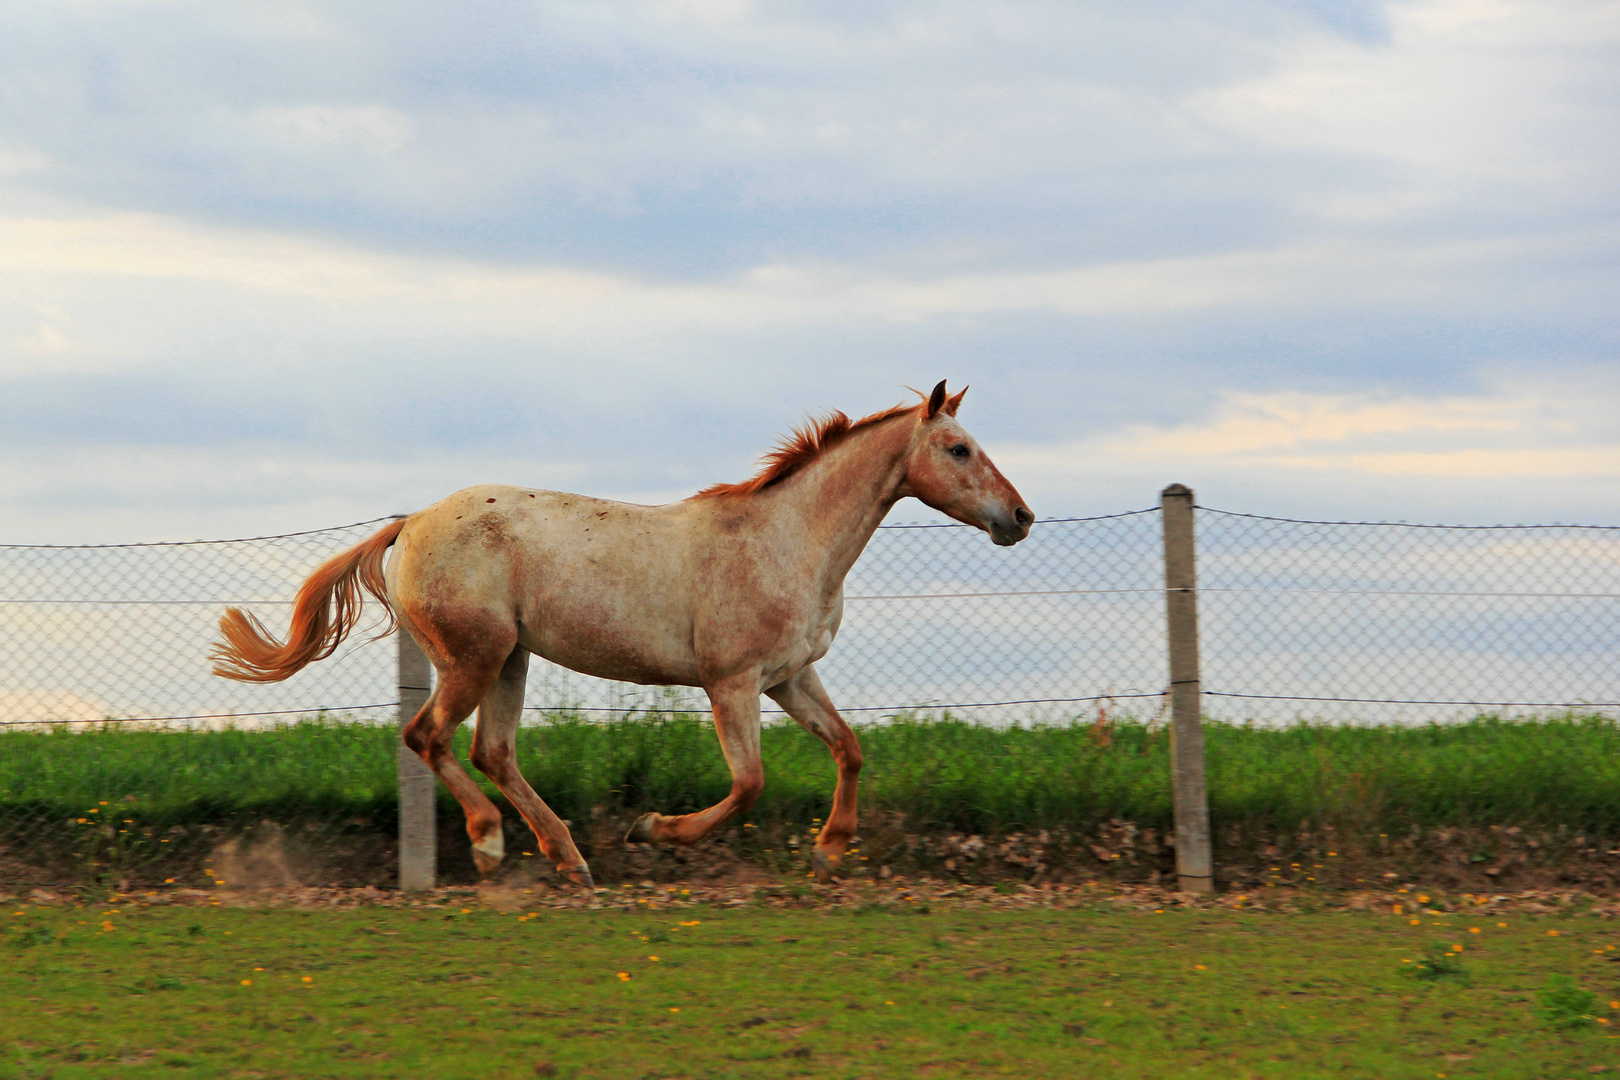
{"x":1376,"y":622}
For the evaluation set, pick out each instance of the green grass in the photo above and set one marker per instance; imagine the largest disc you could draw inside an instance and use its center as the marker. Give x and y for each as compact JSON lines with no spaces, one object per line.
{"x":942,"y":775}
{"x":174,"y":992}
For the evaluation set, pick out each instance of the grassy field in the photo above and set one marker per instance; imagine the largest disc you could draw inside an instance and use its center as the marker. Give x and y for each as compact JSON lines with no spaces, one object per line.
{"x":883,"y":991}
{"x":939,"y":776}
{"x":943,"y":774}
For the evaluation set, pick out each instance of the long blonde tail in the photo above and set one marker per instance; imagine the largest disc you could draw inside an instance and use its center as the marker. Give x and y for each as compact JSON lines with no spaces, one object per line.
{"x":327,"y":609}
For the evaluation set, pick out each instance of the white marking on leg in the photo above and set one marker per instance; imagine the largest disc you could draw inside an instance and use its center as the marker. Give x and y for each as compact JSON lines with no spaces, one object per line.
{"x":493,"y":845}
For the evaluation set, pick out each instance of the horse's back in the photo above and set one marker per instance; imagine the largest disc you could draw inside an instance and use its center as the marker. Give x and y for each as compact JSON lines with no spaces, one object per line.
{"x":600,"y":586}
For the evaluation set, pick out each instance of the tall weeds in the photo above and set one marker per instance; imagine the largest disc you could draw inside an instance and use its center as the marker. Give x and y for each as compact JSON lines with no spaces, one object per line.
{"x":941,"y":773}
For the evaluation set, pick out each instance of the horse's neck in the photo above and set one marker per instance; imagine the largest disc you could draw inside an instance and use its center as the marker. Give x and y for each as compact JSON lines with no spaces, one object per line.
{"x":840,"y":499}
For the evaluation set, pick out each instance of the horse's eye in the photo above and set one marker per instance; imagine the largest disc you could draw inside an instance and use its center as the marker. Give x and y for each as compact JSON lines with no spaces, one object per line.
{"x":960,"y":450}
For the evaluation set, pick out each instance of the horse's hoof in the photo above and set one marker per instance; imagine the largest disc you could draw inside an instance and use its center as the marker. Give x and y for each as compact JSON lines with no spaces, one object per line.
{"x":580,"y":875}
{"x":823,"y":865}
{"x":642,"y":831}
{"x":488,"y":852}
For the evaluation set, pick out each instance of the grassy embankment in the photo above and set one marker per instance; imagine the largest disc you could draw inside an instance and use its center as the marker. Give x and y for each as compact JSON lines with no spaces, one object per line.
{"x":454,"y":992}
{"x":113,"y":797}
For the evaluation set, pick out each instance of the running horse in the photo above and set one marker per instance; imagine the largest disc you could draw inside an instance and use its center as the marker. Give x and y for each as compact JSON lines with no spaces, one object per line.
{"x":738,"y":589}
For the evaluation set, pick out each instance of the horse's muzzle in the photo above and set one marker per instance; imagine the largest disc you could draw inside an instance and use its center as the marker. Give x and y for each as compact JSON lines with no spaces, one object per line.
{"x":1007,"y":532}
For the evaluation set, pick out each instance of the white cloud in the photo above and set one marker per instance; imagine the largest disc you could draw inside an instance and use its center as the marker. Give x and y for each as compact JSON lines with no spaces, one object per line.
{"x":118,"y":494}
{"x":48,"y":349}
{"x":1452,"y":470}
{"x":1599,"y":461}
{"x":1497,"y":448}
{"x":370,"y":127}
{"x":461,"y":291}
{"x":1470,"y":103}
{"x":704,"y":12}
{"x":47,"y":339}
{"x":1440,"y":16}
{"x":16,"y":162}
{"x":1248,"y":422}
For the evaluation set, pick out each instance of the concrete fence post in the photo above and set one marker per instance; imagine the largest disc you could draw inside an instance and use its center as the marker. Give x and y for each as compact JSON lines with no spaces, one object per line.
{"x":1193,"y":862}
{"x":418,"y":831}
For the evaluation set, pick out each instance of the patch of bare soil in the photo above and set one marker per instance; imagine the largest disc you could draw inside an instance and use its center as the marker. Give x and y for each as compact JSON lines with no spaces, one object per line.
{"x":1498,"y":860}
{"x":897,"y":894}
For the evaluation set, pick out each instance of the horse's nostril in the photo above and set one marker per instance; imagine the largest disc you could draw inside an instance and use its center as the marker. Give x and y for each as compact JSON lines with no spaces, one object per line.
{"x":1023,"y":516}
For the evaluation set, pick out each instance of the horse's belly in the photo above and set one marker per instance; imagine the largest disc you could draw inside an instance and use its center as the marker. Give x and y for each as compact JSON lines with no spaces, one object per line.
{"x":624,"y":656}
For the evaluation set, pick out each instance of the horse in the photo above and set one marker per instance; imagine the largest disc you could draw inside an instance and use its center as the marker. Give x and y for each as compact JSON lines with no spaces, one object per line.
{"x":737,"y":589}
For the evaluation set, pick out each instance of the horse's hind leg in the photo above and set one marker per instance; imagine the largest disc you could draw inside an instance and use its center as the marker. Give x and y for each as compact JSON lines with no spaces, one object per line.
{"x":494,"y":751}
{"x":460,"y":687}
{"x":804,"y":699}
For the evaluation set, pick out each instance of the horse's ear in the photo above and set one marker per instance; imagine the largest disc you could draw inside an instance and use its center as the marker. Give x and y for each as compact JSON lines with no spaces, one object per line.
{"x":954,"y":402}
{"x":936,"y":399}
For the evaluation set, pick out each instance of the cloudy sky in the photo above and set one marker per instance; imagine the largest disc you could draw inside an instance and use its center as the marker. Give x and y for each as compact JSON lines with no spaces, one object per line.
{"x":275,"y":266}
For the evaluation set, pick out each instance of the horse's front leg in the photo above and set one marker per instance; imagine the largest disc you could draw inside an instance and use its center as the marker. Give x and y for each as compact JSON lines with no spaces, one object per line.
{"x":804,"y":699}
{"x":736,"y":721}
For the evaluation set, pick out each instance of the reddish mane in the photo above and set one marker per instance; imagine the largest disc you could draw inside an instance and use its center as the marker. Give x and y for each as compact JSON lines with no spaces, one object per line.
{"x":806,"y":442}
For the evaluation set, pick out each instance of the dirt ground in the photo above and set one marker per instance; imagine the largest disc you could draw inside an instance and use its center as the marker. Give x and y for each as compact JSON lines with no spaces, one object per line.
{"x":919,"y":894}
{"x":1114,"y":863}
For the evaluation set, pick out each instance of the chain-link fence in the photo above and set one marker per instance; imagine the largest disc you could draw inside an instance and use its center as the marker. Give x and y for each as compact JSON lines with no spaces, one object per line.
{"x":1358,"y":622}
{"x":104,"y":654}
{"x":1370,"y":622}
{"x":124,"y":632}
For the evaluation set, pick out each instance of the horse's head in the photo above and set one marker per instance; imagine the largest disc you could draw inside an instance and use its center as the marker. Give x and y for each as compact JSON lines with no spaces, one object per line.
{"x":947,"y":470}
